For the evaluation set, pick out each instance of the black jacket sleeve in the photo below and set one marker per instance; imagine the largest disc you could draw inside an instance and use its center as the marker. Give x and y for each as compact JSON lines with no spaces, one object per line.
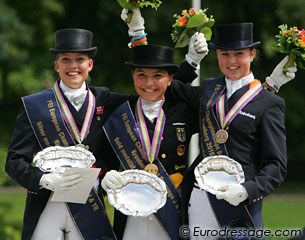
{"x":186,"y":73}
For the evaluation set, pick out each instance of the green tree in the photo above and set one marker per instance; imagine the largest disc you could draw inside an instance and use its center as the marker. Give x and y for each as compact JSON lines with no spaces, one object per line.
{"x":27,"y":29}
{"x":15,"y":37}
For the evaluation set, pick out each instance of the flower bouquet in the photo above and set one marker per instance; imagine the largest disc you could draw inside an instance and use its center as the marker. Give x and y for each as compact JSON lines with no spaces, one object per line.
{"x":132,"y":4}
{"x":291,"y":41}
{"x":189,"y":22}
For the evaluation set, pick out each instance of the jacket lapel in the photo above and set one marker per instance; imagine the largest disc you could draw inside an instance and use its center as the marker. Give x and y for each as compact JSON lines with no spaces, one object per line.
{"x":238,"y":94}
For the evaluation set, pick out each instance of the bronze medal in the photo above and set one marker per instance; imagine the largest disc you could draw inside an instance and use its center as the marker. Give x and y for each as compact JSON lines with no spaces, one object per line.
{"x":222,"y":136}
{"x":151,"y":168}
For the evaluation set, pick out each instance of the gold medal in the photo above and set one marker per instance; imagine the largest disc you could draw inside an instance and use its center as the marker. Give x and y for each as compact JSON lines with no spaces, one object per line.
{"x":222,"y":136}
{"x":151,"y":168}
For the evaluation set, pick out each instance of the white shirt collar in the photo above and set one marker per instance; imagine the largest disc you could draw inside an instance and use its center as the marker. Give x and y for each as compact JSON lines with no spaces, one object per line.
{"x":151,"y":109}
{"x":234,"y":85}
{"x":65,"y":88}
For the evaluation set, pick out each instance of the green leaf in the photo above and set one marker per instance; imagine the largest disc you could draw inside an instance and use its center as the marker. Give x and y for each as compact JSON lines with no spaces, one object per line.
{"x":303,"y":56}
{"x":209,"y":23}
{"x":279,"y":48}
{"x":125,"y":4}
{"x":183,"y":40}
{"x":196,"y":20}
{"x":207,"y":31}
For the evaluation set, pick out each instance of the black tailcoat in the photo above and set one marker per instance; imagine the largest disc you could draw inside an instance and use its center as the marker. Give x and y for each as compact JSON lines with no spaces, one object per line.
{"x":24,"y":146}
{"x":257,"y":139}
{"x":178,"y":116}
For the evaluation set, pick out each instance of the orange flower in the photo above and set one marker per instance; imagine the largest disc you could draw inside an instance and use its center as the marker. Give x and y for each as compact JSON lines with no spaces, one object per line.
{"x":302,"y":40}
{"x":182,"y":21}
{"x":189,"y":22}
{"x":291,"y":41}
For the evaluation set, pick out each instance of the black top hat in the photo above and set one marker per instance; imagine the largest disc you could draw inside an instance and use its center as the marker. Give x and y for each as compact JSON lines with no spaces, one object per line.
{"x":73,"y":40}
{"x":233,"y":36}
{"x":153,"y":56}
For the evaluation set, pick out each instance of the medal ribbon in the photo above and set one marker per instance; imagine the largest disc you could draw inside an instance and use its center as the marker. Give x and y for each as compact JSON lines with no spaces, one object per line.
{"x":151,"y":150}
{"x":78,"y":136}
{"x":255,"y":88}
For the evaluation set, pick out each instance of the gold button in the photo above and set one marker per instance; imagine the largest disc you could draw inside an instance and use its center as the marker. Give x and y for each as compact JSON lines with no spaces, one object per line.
{"x":254,"y":200}
{"x":163,"y":155}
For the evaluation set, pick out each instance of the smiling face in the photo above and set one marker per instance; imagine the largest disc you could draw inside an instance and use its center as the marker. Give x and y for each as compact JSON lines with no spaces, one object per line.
{"x":73,"y":68}
{"x":235,"y":64}
{"x":151,"y":83}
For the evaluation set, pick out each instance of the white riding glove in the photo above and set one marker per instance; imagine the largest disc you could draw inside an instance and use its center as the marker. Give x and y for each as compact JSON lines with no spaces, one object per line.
{"x":233,"y":193}
{"x":278,"y":77}
{"x":136,"y":24}
{"x":112,"y":180}
{"x":198,"y":49}
{"x":58,"y":181}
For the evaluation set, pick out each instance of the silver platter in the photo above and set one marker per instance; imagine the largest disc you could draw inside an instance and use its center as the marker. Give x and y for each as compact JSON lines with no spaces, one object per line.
{"x":53,"y":158}
{"x":217,"y":171}
{"x":142,"y":194}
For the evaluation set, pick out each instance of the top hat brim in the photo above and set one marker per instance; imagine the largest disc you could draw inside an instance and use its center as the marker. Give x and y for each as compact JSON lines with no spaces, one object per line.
{"x":91,"y":51}
{"x":173,"y":68}
{"x":234,"y":46}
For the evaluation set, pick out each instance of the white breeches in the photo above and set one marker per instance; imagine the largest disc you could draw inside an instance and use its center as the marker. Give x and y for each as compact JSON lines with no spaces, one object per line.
{"x":56,"y":223}
{"x":144,"y":228}
{"x":202,"y":221}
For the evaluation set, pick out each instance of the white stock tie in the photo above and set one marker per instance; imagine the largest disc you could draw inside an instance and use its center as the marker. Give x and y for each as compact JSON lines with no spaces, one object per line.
{"x":76,"y":99}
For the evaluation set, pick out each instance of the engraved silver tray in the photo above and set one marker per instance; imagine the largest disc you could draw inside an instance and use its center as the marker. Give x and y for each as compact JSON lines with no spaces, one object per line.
{"x":217,"y":171}
{"x":53,"y":158}
{"x":142,"y":194}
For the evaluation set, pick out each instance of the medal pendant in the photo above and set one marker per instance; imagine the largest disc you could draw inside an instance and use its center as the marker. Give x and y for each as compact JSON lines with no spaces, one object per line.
{"x":81,"y":145}
{"x":151,"y":168}
{"x":221,"y":136}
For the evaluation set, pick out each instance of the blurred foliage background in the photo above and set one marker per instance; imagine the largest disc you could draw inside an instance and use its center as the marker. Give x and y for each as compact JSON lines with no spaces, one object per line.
{"x":26,"y":34}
